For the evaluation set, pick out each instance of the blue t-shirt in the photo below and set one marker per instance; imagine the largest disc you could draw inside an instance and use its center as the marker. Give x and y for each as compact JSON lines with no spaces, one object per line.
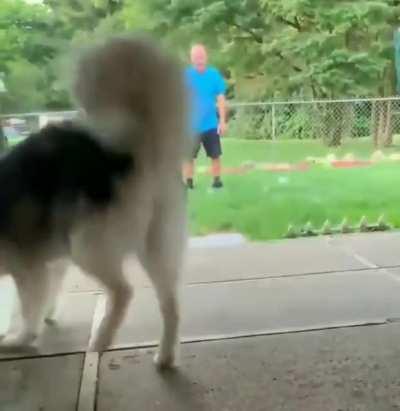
{"x":204,"y":87}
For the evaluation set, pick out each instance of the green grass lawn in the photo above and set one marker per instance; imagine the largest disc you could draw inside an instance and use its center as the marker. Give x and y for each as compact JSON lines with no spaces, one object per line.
{"x":261,"y":204}
{"x":238,"y":151}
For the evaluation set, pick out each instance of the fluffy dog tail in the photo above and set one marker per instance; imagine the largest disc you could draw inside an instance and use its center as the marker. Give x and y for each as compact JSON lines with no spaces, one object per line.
{"x":133,"y":95}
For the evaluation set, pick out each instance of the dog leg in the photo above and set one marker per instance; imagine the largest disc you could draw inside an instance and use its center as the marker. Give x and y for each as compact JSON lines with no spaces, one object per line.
{"x":119,"y":293}
{"x":33,"y":290}
{"x":162,"y":258}
{"x":57,"y":279}
{"x":57,"y":272}
{"x":164,"y":274}
{"x":168,"y":352}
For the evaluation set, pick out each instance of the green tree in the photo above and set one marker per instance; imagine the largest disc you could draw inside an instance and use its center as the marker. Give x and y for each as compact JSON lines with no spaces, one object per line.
{"x":28,"y":41}
{"x":305,"y":48}
{"x":310,"y":47}
{"x":25,"y":83}
{"x":281,"y":48}
{"x":35,"y":40}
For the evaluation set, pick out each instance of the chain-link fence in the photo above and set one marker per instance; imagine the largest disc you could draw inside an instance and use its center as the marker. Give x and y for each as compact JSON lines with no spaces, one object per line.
{"x":331,"y":121}
{"x":18,"y":126}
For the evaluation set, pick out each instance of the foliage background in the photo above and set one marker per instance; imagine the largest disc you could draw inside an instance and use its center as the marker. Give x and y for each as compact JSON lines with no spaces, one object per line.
{"x":268,"y":49}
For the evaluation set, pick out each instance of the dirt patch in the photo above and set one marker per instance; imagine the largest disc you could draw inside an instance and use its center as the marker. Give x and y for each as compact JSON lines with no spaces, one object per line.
{"x":351,"y":163}
{"x":233,"y":170}
{"x":287,"y":167}
{"x":280,"y":168}
{"x":275,"y":168}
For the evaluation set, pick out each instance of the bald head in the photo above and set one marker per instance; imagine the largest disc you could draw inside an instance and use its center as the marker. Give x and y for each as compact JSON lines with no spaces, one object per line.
{"x":198,"y":57}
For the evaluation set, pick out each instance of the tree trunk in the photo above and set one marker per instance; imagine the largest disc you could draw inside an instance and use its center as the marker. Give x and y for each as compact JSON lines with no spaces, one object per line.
{"x":334,"y":124}
{"x":349,"y":117}
{"x":373,"y":127}
{"x":388,"y":133}
{"x":318,"y":121}
{"x":382,"y":124}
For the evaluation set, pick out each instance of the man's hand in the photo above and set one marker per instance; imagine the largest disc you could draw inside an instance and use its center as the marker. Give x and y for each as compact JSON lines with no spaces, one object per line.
{"x":222,"y":127}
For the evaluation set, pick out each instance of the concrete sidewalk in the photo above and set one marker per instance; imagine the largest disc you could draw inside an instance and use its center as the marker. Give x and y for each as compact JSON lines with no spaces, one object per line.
{"x":296,"y":325}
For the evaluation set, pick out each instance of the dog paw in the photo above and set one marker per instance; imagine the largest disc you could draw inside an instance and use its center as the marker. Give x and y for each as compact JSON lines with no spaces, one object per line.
{"x":165,"y":361}
{"x":18,"y":343}
{"x":99,"y":345}
{"x":51,"y":322}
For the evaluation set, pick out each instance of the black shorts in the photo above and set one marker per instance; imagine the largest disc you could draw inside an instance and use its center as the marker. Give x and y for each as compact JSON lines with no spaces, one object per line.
{"x":211,"y":142}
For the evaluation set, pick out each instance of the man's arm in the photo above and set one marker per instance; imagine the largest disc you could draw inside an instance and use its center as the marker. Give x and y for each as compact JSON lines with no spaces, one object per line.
{"x":220,"y":90}
{"x":221,"y":104}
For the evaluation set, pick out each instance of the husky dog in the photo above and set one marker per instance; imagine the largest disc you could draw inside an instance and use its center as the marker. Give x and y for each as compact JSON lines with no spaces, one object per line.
{"x":102,"y":189}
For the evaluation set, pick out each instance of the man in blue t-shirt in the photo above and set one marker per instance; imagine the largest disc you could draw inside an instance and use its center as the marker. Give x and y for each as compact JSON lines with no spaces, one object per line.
{"x":208,"y":112}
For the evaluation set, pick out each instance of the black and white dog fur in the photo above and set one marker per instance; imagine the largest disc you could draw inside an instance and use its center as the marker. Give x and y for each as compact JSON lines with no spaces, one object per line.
{"x":98,"y":191}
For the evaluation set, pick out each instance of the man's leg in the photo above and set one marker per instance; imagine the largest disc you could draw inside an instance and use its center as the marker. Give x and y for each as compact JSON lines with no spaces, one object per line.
{"x":212,"y":145}
{"x":216,"y":172}
{"x":189,"y":166}
{"x":188,"y":172}
{"x":216,"y":167}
